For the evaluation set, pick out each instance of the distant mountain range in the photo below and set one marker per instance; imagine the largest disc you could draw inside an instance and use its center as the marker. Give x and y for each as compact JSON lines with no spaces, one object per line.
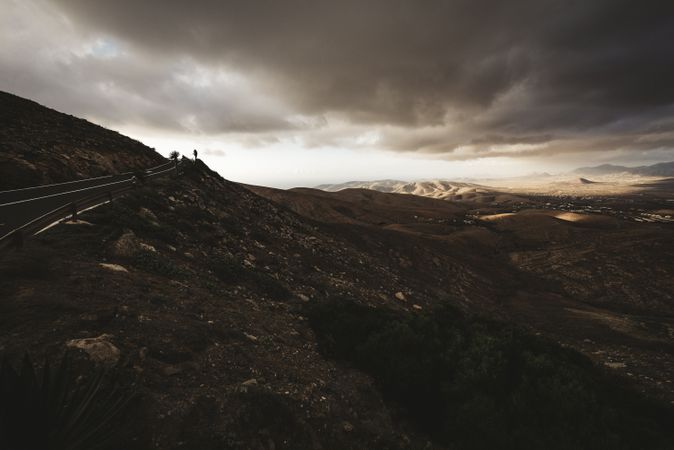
{"x":453,"y":190}
{"x":656,"y":170}
{"x":433,"y":188}
{"x":438,"y":189}
{"x":378,"y":185}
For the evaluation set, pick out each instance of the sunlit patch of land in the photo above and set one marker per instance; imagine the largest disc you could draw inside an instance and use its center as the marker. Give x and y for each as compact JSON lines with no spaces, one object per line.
{"x":580,"y":186}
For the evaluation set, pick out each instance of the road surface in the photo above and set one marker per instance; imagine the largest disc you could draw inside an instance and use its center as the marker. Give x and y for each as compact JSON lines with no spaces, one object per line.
{"x":20,"y":206}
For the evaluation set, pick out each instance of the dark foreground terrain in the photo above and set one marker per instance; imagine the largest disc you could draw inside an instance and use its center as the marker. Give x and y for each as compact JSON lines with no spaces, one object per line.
{"x":244,"y":317}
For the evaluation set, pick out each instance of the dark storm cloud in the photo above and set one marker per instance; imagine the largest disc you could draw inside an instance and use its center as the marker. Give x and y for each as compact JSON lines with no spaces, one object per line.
{"x":433,"y":75}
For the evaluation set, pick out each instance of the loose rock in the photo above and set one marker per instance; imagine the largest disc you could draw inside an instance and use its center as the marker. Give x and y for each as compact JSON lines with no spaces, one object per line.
{"x":148,"y":247}
{"x":99,"y":349}
{"x":113,"y":267}
{"x":615,"y":365}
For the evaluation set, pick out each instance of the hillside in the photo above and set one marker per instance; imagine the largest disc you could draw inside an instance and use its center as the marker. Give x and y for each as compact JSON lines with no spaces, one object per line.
{"x":220,"y":302}
{"x":361,"y":206}
{"x":247,"y":317}
{"x":39,"y":145}
{"x":209,"y":312}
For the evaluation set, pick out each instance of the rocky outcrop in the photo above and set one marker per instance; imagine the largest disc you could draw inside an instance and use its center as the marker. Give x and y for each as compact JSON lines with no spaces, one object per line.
{"x":126,"y":246}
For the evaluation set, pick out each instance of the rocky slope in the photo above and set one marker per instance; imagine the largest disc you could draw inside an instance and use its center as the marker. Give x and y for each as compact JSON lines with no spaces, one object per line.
{"x":600,"y":284}
{"x":362,"y":206}
{"x":198,"y":292}
{"x":39,"y":145}
{"x":248,"y":317}
{"x":201,"y":286}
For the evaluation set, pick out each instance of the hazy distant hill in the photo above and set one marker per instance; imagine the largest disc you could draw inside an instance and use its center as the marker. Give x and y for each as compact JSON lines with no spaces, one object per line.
{"x":39,"y":145}
{"x":655,"y":170}
{"x":463,"y":191}
{"x":378,"y":185}
{"x":439,"y":189}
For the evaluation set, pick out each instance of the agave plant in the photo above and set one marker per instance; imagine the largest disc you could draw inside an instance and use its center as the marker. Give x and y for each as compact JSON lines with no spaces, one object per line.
{"x":57,"y":410}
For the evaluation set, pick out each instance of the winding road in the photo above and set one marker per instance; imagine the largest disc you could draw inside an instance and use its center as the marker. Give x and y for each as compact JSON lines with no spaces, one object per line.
{"x":19,"y":207}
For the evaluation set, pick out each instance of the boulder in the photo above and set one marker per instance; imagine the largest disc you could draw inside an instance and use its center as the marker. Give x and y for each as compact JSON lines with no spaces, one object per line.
{"x":148,"y":247}
{"x":99,"y":349}
{"x":147,"y":215}
{"x":126,"y":246}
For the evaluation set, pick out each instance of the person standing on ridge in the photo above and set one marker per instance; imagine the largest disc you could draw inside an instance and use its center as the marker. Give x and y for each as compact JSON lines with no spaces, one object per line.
{"x":195,"y":155}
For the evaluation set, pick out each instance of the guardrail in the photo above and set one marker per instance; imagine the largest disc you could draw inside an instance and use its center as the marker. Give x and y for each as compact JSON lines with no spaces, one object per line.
{"x":159,"y":167}
{"x":17,"y":236}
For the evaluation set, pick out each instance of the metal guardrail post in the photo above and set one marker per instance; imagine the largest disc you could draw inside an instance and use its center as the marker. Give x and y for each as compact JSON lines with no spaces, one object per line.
{"x":73,"y":212}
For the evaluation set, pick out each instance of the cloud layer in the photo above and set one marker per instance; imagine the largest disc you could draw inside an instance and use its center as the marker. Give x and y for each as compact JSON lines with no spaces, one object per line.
{"x":460,"y":78}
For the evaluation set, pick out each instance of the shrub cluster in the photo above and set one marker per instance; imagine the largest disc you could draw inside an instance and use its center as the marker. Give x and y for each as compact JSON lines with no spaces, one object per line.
{"x":475,"y":384}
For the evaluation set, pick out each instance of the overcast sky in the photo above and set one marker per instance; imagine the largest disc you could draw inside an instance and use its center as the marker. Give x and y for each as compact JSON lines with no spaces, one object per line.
{"x":289,"y":93}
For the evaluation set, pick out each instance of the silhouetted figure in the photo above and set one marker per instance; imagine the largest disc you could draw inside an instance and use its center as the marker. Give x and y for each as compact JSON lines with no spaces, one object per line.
{"x":195,"y":155}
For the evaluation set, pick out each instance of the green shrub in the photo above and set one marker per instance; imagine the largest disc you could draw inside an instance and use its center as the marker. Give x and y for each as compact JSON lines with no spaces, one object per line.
{"x":475,"y":384}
